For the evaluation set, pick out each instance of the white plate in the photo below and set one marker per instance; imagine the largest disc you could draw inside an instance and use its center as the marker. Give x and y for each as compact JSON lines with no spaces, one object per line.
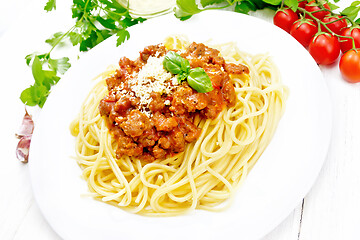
{"x":275,"y":186}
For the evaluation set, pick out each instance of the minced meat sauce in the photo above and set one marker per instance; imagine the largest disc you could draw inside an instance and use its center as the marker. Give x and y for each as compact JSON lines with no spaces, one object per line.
{"x":161,"y":123}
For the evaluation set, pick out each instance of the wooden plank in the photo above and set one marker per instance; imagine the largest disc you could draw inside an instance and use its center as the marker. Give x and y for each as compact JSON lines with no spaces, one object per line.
{"x":332,"y":209}
{"x":34,"y":226}
{"x":289,"y":228}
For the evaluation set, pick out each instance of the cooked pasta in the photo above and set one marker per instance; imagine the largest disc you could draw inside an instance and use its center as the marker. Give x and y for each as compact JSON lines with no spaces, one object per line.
{"x":207,"y":173}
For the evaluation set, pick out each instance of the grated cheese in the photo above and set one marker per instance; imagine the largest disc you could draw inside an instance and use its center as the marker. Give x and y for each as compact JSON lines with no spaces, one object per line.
{"x":152,"y":77}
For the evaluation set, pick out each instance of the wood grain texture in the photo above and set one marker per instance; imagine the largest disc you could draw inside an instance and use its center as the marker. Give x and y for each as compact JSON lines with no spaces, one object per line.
{"x":289,"y":228}
{"x":332,"y":209}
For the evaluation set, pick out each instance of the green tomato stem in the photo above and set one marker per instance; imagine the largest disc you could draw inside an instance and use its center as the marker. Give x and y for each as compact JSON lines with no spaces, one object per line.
{"x":320,"y":23}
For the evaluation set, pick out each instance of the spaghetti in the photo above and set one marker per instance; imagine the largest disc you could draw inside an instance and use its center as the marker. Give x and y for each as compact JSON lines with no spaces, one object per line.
{"x":207,"y":173}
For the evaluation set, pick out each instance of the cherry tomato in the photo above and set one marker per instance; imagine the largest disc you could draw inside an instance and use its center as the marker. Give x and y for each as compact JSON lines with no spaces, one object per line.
{"x":350,"y":66}
{"x":346,"y":43}
{"x":324,"y":48}
{"x":303,"y":31}
{"x":313,"y":8}
{"x":302,"y":4}
{"x":336,"y":24}
{"x":285,"y":18}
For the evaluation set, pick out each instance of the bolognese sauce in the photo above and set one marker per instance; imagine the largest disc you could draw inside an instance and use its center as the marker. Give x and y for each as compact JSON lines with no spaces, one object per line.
{"x":151,"y":115}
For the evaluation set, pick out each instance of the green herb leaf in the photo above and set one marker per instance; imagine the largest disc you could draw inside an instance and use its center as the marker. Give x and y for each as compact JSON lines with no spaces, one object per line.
{"x":42,"y":93}
{"x":245,"y":7}
{"x":196,"y":77}
{"x":260,"y":4}
{"x":355,"y":3}
{"x":273,"y":2}
{"x":102,"y":35}
{"x":186,"y":8}
{"x":28,"y":58}
{"x":56,"y":39}
{"x":123,"y":35}
{"x":114,"y":4}
{"x":75,"y":38}
{"x":37,"y":71}
{"x":34,"y":95}
{"x":351,"y":11}
{"x":44,"y":79}
{"x":332,"y":6}
{"x":50,"y":5}
{"x":292,"y":4}
{"x":60,"y":65}
{"x":31,"y":56}
{"x":96,"y":20}
{"x":199,"y":80}
{"x":27,"y":97}
{"x":205,"y":3}
{"x":49,"y":77}
{"x":176,"y":64}
{"x":107,"y":23}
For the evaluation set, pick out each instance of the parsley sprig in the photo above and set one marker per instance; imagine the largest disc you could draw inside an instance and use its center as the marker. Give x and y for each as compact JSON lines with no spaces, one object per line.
{"x":95,"y":21}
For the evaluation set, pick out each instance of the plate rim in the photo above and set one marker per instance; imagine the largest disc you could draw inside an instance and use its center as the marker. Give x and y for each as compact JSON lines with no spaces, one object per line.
{"x":196,"y":17}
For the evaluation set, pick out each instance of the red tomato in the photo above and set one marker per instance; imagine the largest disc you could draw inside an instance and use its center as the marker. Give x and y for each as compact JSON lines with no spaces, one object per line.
{"x":350,"y":66}
{"x":314,"y":9}
{"x":324,"y":48}
{"x":302,"y":4}
{"x":336,"y":24}
{"x":346,"y":43}
{"x":285,"y":18}
{"x":303,"y":31}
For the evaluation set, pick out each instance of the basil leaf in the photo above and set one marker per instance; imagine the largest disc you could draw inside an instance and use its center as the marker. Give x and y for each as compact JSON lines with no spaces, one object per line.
{"x":196,"y":77}
{"x":176,"y":64}
{"x":199,"y":80}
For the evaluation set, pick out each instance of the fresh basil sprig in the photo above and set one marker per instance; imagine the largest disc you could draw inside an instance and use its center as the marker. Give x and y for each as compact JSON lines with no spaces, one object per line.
{"x":176,"y":64}
{"x":197,"y":78}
